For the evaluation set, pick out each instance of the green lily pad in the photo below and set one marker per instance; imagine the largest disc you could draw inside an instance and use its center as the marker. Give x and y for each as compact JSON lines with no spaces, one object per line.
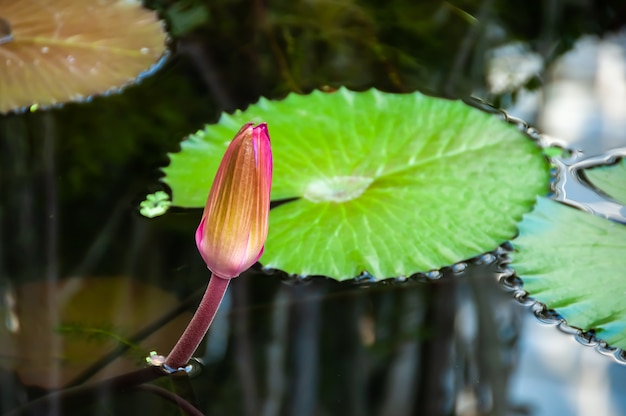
{"x":610,"y":179}
{"x":574,"y":263}
{"x":388,"y":184}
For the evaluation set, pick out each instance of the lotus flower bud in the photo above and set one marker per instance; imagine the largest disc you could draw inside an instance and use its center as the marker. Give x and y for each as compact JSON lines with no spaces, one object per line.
{"x":232,"y":233}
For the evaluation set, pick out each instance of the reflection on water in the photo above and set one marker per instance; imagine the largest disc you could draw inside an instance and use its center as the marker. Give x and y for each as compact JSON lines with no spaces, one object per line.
{"x":321,"y":346}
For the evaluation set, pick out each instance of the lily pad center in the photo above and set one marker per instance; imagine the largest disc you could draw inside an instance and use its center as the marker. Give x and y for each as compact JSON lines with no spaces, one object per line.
{"x":337,"y":188}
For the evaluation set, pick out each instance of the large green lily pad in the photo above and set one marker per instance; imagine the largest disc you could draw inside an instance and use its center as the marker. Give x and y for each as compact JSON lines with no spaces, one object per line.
{"x":610,"y":179}
{"x":574,"y":262}
{"x":389,"y":184}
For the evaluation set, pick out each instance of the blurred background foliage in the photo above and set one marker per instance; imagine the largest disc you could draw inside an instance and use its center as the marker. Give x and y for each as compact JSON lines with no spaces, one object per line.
{"x":396,"y":46}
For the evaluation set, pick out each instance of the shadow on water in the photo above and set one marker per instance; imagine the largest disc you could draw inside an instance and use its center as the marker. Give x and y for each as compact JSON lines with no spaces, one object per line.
{"x":71,"y":180}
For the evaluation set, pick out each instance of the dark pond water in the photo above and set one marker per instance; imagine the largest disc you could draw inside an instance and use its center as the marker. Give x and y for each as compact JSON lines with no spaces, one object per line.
{"x":88,"y":287}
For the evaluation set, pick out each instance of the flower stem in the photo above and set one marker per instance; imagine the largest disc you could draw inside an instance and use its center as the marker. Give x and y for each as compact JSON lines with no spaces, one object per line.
{"x":199,"y":324}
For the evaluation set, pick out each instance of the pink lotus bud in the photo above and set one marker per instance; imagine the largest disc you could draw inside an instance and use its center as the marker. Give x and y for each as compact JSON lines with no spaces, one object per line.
{"x":233,"y":229}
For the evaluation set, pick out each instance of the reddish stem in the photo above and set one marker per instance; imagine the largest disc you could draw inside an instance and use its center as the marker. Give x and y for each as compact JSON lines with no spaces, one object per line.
{"x":199,"y":324}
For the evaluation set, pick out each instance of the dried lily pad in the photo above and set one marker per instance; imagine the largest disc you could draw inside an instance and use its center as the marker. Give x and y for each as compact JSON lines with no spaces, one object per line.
{"x":610,"y":179}
{"x":574,"y":262}
{"x":55,"y":331}
{"x":389,"y":184}
{"x":68,"y":50}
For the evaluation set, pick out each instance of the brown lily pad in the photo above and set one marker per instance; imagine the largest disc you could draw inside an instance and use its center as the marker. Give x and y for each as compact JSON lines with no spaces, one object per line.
{"x":54,"y":331}
{"x":69,"y":50}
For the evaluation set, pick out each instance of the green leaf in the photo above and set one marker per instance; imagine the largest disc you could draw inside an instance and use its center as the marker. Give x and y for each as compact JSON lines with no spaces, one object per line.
{"x":610,"y":179}
{"x":574,"y":262}
{"x":390,"y":184}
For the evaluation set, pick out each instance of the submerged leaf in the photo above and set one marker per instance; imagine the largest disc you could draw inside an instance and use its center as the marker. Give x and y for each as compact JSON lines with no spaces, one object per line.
{"x":610,"y":179}
{"x":574,"y":262}
{"x":68,"y":50}
{"x":389,"y":184}
{"x":59,"y":329}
